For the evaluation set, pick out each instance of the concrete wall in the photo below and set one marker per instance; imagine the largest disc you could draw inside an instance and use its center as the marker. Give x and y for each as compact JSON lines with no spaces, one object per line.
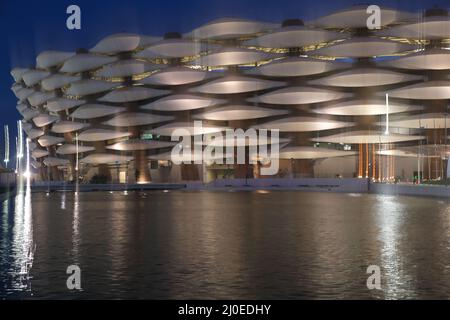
{"x":410,"y":189}
{"x":304,"y":184}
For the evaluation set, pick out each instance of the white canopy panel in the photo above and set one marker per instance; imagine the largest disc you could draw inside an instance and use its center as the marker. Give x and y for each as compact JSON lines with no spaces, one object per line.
{"x":302,"y":124}
{"x":186,"y":128}
{"x":365,"y":108}
{"x":299,"y":95}
{"x":57,"y":81}
{"x":126,"y":68}
{"x":85,"y":62}
{"x":229,"y":28}
{"x":232,"y":56}
{"x":120,"y":42}
{"x":68,"y":126}
{"x":89,"y":86}
{"x":66,"y":149}
{"x":43,"y":120}
{"x":356,"y":17}
{"x":173,"y":48}
{"x":105,"y":158}
{"x":305,"y":152}
{"x":91,"y":135}
{"x":34,"y":133}
{"x":32,"y":77}
{"x":46,"y":141}
{"x":17,"y":73}
{"x":363,"y":47}
{"x":175,"y":76}
{"x":92,"y":111}
{"x":130,"y":94}
{"x":48,"y":59}
{"x":430,"y":59}
{"x":354,"y":137}
{"x":239,"y":112}
{"x":236,"y":84}
{"x":430,"y":90}
{"x":296,"y":67}
{"x":60,"y":104}
{"x":132,"y":119}
{"x":37,"y":98}
{"x":365,"y":77}
{"x":132,"y":145}
{"x":295,"y":36}
{"x":421,"y":121}
{"x":182,"y":102}
{"x":435,"y":27}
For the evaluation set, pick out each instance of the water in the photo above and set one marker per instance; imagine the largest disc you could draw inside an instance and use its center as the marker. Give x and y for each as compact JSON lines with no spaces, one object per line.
{"x":249,"y":245}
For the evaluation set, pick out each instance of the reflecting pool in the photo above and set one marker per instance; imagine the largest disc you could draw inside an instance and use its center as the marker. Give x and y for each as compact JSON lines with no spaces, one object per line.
{"x":210,"y":244}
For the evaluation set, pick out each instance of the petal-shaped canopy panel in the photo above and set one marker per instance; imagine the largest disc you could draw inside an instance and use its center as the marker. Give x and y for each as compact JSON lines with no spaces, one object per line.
{"x":48,"y":59}
{"x":304,"y":152}
{"x":232,"y":56}
{"x":186,"y":128}
{"x":43,"y":120}
{"x":89,"y":86}
{"x":85,"y":62}
{"x":296,"y":67}
{"x":356,"y":17}
{"x":295,"y":36}
{"x":46,"y":141}
{"x":60,"y":104}
{"x":175,"y":76}
{"x":430,"y":90}
{"x":236,"y":84}
{"x":57,"y":81}
{"x":299,"y":95}
{"x":366,"y":108}
{"x":68,"y":126}
{"x":132,"y":119}
{"x":229,"y":28}
{"x":92,"y":111}
{"x":302,"y":124}
{"x":355,"y":137}
{"x":132,"y":145}
{"x":91,"y":135}
{"x":182,"y":102}
{"x":430,"y":59}
{"x":239,"y":112}
{"x":66,"y":149}
{"x":365,"y":77}
{"x":132,"y":94}
{"x":363,"y":47}
{"x":115,"y":43}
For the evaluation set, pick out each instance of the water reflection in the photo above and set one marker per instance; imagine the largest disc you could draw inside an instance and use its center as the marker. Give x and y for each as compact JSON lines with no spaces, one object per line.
{"x":225,"y":245}
{"x":390,"y":216}
{"x":23,"y":246}
{"x":76,"y":227}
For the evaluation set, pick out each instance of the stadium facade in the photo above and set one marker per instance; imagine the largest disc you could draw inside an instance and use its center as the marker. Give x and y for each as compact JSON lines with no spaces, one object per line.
{"x":348,"y":101}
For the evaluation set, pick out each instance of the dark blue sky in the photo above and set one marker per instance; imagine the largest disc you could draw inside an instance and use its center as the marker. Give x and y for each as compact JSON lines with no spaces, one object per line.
{"x":29,"y":27}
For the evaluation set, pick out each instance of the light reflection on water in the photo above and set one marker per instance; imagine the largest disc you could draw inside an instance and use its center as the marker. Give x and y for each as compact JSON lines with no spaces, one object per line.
{"x":18,"y":257}
{"x":224,"y":245}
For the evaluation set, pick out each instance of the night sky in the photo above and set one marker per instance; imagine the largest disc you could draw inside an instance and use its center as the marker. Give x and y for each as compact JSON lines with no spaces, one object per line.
{"x":29,"y":27}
